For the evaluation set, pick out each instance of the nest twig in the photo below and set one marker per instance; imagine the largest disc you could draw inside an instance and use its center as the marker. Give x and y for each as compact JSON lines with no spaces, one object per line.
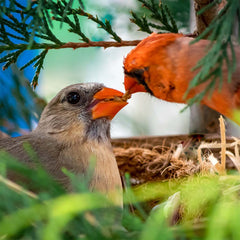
{"x":146,"y":161}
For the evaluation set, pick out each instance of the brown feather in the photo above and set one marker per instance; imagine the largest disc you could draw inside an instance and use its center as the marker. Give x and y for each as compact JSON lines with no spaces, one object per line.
{"x":68,"y":137}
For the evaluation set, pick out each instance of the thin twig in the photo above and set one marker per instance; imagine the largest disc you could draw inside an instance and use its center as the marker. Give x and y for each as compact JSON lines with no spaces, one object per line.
{"x":233,"y":159}
{"x":178,"y":152}
{"x":216,"y":165}
{"x":17,"y":187}
{"x":223,"y":143}
{"x":74,"y":45}
{"x":103,"y":44}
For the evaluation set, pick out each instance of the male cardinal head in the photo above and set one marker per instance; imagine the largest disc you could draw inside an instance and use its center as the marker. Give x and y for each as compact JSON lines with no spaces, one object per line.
{"x":143,"y":63}
{"x":87,"y":107}
{"x":162,"y":65}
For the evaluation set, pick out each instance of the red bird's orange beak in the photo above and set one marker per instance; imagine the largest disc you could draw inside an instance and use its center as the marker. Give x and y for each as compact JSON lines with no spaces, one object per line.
{"x":132,"y":86}
{"x":107,"y":103}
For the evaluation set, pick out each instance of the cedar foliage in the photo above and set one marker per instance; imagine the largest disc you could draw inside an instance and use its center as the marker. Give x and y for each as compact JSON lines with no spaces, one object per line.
{"x":30,"y":26}
{"x":204,"y":207}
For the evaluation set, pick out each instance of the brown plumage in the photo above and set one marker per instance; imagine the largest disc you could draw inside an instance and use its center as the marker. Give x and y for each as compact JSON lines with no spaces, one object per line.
{"x":74,"y":127}
{"x":162,"y":64}
{"x":3,"y":135}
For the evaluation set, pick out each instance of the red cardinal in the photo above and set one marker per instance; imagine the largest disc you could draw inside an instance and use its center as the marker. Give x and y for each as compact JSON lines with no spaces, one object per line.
{"x":162,"y":65}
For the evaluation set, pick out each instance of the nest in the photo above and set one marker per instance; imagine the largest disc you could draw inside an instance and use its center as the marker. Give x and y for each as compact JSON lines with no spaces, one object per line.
{"x":153,"y":163}
{"x":164,"y":158}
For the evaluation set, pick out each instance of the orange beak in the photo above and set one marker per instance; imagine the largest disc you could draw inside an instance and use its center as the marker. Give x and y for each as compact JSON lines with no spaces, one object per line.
{"x":108,"y":103}
{"x":132,"y":86}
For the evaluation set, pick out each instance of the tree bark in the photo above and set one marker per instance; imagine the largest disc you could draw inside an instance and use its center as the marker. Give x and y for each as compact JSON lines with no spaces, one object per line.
{"x":205,"y":19}
{"x":202,"y":118}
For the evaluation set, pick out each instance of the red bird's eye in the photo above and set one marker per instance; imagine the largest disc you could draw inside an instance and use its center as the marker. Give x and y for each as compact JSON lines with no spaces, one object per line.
{"x":73,"y":97}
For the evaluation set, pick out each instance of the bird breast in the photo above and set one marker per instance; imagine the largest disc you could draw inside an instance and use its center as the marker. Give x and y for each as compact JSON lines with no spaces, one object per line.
{"x":106,"y":177}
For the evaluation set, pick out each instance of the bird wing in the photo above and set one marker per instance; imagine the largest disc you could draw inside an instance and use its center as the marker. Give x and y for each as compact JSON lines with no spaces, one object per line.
{"x":33,"y":150}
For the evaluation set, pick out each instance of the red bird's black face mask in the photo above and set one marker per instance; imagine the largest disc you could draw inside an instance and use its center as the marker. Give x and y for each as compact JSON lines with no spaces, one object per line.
{"x":134,"y":81}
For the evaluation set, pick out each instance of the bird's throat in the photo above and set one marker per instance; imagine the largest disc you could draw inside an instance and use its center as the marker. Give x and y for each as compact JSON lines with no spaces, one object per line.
{"x":98,"y":130}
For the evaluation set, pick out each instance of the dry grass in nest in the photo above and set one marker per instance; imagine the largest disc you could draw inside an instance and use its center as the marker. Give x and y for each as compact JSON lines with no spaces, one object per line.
{"x":153,"y":162}
{"x":156,"y":163}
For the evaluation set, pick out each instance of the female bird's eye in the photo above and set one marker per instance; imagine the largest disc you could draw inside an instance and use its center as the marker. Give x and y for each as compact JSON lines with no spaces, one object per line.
{"x":73,"y":97}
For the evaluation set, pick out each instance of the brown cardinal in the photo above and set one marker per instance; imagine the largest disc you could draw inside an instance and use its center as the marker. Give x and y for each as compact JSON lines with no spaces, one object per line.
{"x":74,"y":127}
{"x":162,"y":65}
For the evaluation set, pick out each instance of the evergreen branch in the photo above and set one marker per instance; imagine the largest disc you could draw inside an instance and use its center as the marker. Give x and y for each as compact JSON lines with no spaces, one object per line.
{"x":75,"y":28}
{"x":160,"y":13}
{"x":78,"y":29}
{"x":30,"y":22}
{"x":3,"y":35}
{"x":233,"y":63}
{"x":19,"y":28}
{"x":13,"y":18}
{"x":11,"y":58}
{"x":17,"y":4}
{"x":15,"y":36}
{"x":48,"y":18}
{"x":200,"y":95}
{"x":30,"y":62}
{"x":39,"y":66}
{"x":142,"y":23}
{"x":106,"y":26}
{"x":5,"y":58}
{"x":157,"y":26}
{"x":104,"y":44}
{"x":67,"y":6}
{"x":14,"y":26}
{"x":221,"y":49}
{"x":49,"y":33}
{"x":81,"y":4}
{"x":74,"y":45}
{"x":60,"y":14}
{"x":32,"y":35}
{"x":172,"y":21}
{"x":43,"y":37}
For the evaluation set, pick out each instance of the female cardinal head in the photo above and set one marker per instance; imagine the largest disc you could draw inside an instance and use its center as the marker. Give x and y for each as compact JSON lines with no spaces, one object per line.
{"x":81,"y":110}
